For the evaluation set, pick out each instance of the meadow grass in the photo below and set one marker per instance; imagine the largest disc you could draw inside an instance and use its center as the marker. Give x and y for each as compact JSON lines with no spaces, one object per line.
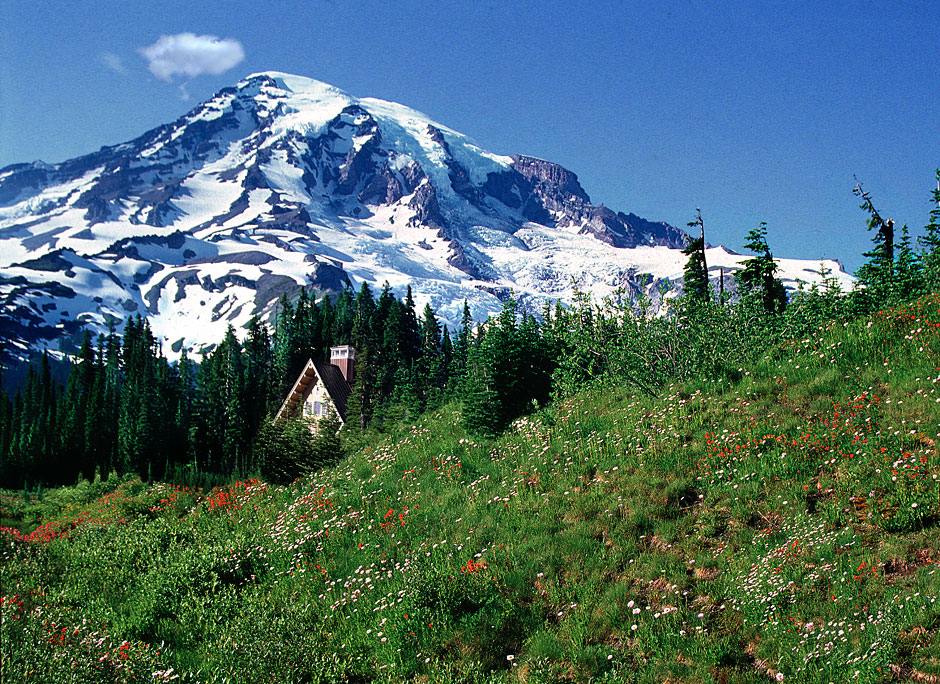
{"x":782,"y":526}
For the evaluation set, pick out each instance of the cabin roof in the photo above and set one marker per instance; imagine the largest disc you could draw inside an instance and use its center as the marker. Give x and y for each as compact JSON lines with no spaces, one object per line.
{"x":333,"y":381}
{"x":336,"y":386}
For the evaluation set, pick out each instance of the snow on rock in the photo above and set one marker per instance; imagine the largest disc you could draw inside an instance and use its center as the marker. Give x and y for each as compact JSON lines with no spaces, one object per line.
{"x":283,"y":182}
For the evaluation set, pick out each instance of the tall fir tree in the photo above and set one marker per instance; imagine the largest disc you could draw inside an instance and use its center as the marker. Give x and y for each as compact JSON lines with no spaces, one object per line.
{"x":759,"y":275}
{"x":930,"y":240}
{"x":363,"y":310}
{"x":462,"y":342}
{"x":392,"y":348}
{"x":8,"y":474}
{"x":909,"y":278}
{"x":259,"y":367}
{"x":695,"y":274}
{"x":877,"y":274}
{"x":344,"y":307}
{"x":411,"y":334}
{"x":78,"y":394}
{"x":432,"y":373}
{"x":234,"y":400}
{"x":284,"y":370}
{"x":481,"y":413}
{"x":447,"y":358}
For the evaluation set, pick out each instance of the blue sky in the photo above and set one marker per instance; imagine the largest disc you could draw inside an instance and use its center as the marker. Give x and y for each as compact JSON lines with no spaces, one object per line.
{"x":751,"y":111}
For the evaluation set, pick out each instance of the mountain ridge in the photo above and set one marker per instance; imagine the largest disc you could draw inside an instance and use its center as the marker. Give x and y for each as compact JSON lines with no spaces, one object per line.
{"x":282,"y":182}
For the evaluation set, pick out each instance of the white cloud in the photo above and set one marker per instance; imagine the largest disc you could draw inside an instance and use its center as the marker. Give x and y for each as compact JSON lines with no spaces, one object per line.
{"x":113,"y":62}
{"x":191,"y":55}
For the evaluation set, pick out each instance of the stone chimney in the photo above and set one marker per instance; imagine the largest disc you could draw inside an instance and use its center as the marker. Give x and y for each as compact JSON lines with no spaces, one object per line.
{"x":344,"y":358}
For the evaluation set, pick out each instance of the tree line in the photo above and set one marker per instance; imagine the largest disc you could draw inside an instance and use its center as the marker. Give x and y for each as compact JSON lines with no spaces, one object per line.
{"x":125,"y":408}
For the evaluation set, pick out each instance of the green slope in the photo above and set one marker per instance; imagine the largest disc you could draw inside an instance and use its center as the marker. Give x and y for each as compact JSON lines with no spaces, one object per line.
{"x":783,"y":527}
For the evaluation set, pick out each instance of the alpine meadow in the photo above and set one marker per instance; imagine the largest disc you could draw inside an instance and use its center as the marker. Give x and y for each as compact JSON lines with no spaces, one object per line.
{"x":744,"y":488}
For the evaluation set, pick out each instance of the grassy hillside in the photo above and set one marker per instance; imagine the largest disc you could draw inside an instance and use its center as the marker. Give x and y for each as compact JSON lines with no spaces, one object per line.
{"x":780,"y":524}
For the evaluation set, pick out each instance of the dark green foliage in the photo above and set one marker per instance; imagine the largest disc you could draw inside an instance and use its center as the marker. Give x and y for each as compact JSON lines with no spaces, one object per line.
{"x":930,"y":241}
{"x":878,"y":273}
{"x":126,"y":409}
{"x":509,"y":367}
{"x":432,"y":369}
{"x":288,"y":448}
{"x":361,"y":404}
{"x":259,"y":373}
{"x":909,"y":279}
{"x":895,"y":272}
{"x":481,"y":407}
{"x":282,"y":448}
{"x":462,"y":342}
{"x":695,"y":275}
{"x":327,"y":445}
{"x":759,"y":275}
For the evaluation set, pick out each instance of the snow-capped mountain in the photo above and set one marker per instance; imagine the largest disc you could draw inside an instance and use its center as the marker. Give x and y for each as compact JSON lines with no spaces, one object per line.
{"x":282,"y":182}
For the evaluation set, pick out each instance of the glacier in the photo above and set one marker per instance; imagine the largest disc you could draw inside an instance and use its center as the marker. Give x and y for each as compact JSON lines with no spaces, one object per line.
{"x":282,"y":182}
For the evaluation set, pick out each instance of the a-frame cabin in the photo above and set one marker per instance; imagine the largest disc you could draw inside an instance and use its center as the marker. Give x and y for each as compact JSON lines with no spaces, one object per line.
{"x":322,"y":387}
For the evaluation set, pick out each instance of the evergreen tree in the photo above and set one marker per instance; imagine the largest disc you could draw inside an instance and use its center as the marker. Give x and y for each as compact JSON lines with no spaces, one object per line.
{"x":49,"y":465}
{"x":482,"y":412}
{"x":695,"y":274}
{"x":411,"y":334}
{"x":930,"y":241}
{"x":13,"y":469}
{"x":447,"y":358}
{"x":362,"y":334}
{"x":383,"y":348}
{"x":78,"y":394}
{"x":392,"y":348}
{"x":207,"y":431}
{"x":539,"y":362}
{"x":759,"y":275}
{"x":107,"y":424}
{"x":234,"y":411}
{"x":327,"y":447}
{"x":909,"y":278}
{"x":284,"y":448}
{"x":431,"y":375}
{"x":95,"y":450}
{"x":462,"y":342}
{"x":343,"y":316}
{"x":878,"y":273}
{"x":34,"y":439}
{"x":284,"y":370}
{"x":259,"y":362}
{"x":328,"y":322}
{"x":8,"y":474}
{"x":355,"y":412}
{"x":140,"y":410}
{"x":185,"y":407}
{"x":507,"y":369}
{"x":361,"y":403}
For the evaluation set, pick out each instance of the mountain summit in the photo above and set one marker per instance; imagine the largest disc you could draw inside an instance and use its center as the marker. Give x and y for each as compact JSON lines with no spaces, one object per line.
{"x":282,"y":182}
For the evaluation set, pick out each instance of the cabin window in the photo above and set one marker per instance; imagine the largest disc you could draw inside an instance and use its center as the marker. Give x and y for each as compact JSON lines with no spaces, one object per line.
{"x":314,"y":408}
